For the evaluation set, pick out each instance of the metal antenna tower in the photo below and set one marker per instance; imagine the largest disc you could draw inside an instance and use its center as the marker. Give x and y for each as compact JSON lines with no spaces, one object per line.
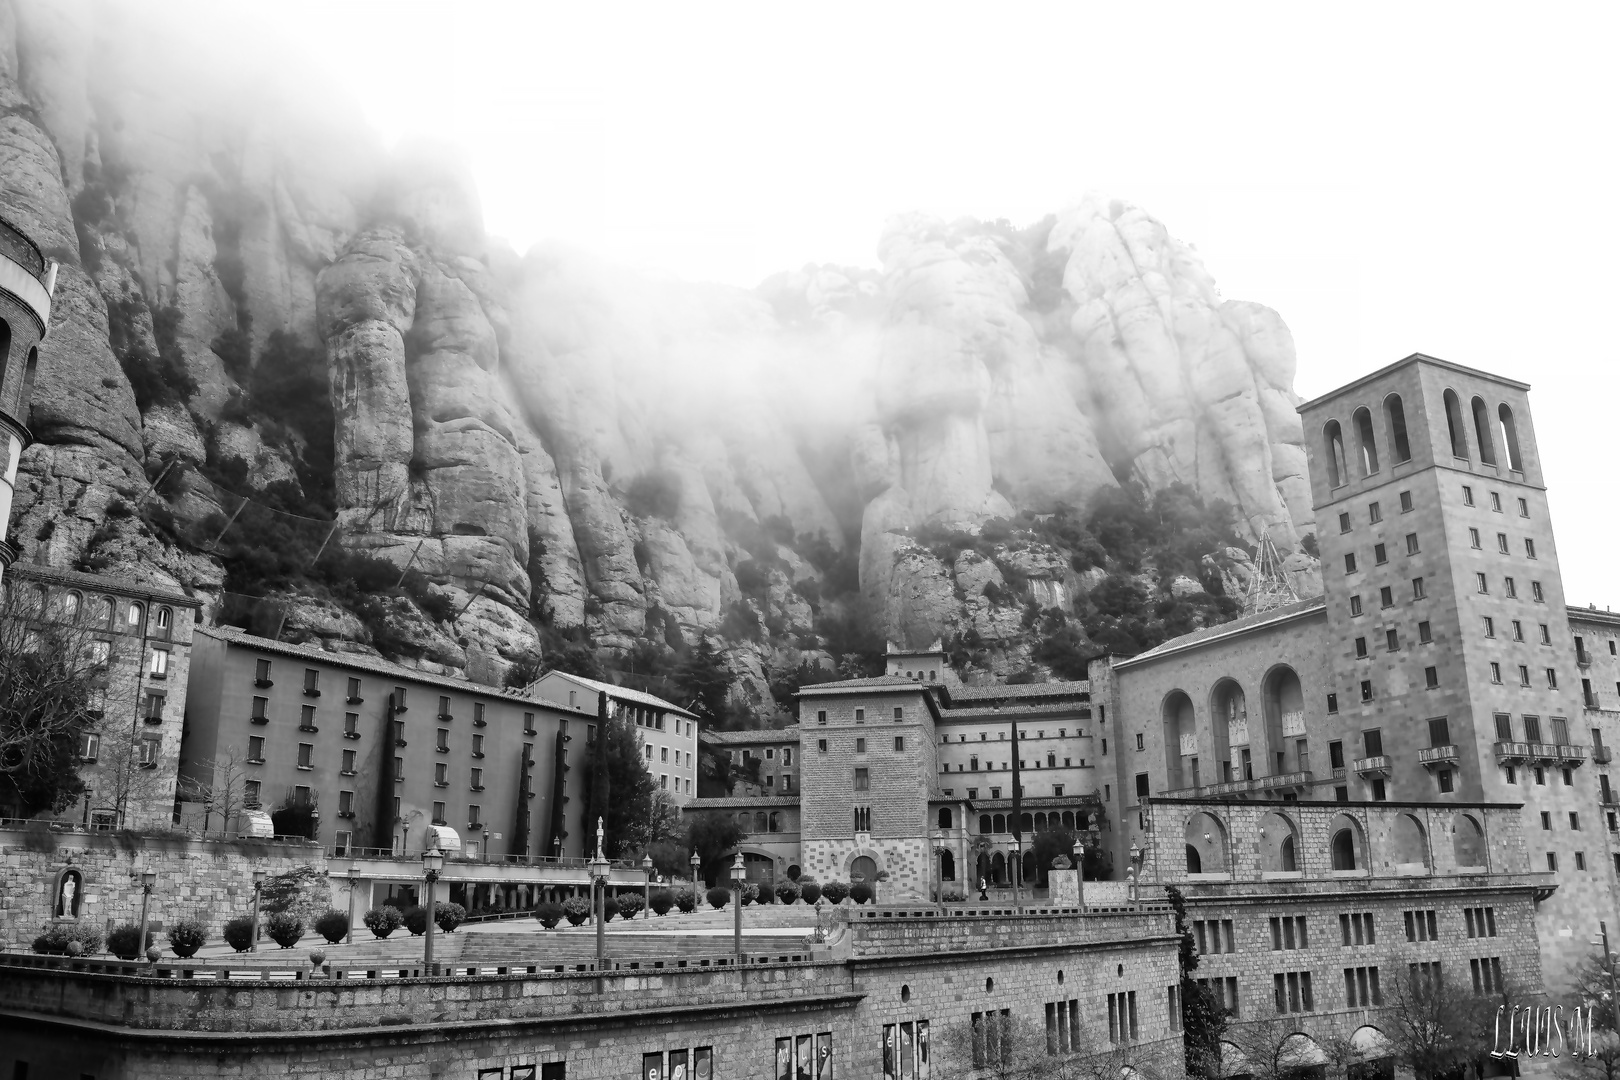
{"x":1269,"y":588}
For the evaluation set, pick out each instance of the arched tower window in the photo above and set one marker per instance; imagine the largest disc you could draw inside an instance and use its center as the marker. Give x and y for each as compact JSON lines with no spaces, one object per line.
{"x":5,"y":349}
{"x":1366,"y":446}
{"x":137,"y":615}
{"x":1334,"y":440}
{"x":27,"y":397}
{"x":1510,"y":438}
{"x":1395,"y":412}
{"x":165,"y":618}
{"x":1482,"y":432}
{"x":1454,"y":425}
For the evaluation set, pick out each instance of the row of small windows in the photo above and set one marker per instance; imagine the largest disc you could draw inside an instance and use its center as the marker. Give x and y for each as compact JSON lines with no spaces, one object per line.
{"x":1502,"y":544}
{"x":1510,"y":588}
{"x":860,"y":715}
{"x":1063,"y":733}
{"x":1381,"y":553}
{"x":1486,"y":434}
{"x":1496,"y":501}
{"x":71,"y":606}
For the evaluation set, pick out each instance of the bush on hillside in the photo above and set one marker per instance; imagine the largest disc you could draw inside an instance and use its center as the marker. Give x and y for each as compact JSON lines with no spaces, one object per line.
{"x":333,"y":925}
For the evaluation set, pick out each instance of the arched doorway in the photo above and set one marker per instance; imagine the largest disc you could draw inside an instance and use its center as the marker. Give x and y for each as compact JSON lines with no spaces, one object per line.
{"x":1345,"y":848}
{"x":1229,"y":709}
{"x":1285,"y":722}
{"x":1468,"y":844}
{"x":998,"y":869}
{"x":1278,"y":844}
{"x":865,"y":868}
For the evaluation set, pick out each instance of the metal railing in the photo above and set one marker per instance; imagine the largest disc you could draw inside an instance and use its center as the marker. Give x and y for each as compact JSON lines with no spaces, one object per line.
{"x":1373,"y":763}
{"x":1438,"y":755}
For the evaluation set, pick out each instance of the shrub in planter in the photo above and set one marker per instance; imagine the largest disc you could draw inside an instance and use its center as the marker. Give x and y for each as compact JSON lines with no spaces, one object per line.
{"x":333,"y":926}
{"x":125,"y":942}
{"x":953,"y":896}
{"x":382,"y":921}
{"x":835,"y":891}
{"x":686,"y":899}
{"x":630,"y":905}
{"x":861,"y":893}
{"x":186,"y":937}
{"x":449,"y":916}
{"x":750,"y":893}
{"x":763,"y":894}
{"x":239,"y":933}
{"x":576,"y":909}
{"x":415,"y":918}
{"x":809,"y":891}
{"x":718,"y":897}
{"x":549,"y":914}
{"x":610,"y":908}
{"x":58,"y":940}
{"x":661,"y":901}
{"x":285,"y":929}
{"x":787,"y":891}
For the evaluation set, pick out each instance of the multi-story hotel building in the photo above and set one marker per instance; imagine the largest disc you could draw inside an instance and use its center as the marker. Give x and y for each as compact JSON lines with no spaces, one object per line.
{"x":381,"y":752}
{"x":668,"y":733}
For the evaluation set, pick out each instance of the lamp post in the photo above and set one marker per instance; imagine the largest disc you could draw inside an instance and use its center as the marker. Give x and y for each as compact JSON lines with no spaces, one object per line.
{"x":354,"y":887}
{"x":148,"y":879}
{"x":697,"y":869}
{"x":646,"y":888}
{"x":599,"y":867}
{"x":258,"y":886}
{"x":1017,"y":874}
{"x":432,"y":863}
{"x":738,"y":872}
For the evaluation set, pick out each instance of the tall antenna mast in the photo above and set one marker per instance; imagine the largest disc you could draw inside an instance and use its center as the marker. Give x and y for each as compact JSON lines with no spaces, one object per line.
{"x":1269,"y":587}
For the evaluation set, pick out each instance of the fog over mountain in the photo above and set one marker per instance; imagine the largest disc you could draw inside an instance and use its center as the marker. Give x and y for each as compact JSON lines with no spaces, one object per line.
{"x":255,"y":299}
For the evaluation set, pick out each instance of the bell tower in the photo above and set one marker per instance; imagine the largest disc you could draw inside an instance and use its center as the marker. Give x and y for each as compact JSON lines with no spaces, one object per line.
{"x":27,"y":280}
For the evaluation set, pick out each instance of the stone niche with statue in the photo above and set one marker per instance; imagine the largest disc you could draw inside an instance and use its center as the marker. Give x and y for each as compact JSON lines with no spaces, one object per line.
{"x":67,"y":894}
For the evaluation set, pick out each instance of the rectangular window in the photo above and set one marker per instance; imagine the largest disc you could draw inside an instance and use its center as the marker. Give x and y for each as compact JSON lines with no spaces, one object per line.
{"x":1386,"y":597}
{"x":1518,"y":630}
{"x":1496,"y":672}
{"x":1443,"y":777}
{"x":441,"y":774}
{"x":1379,"y":793}
{"x":1496,"y":501}
{"x":863,"y":781}
{"x":1344,"y":523}
{"x":1142,"y":785}
{"x":477,"y":780}
{"x":1552,"y":679}
{"x":1481,"y":921}
{"x":261,"y":672}
{"x":1574,"y":821}
{"x":1373,"y":742}
{"x":1546,"y":634}
{"x":1473,"y":539}
{"x":1487,"y":975}
{"x":860,"y":716}
{"x":1288,"y":932}
{"x":348,"y":762}
{"x":863,"y":819}
{"x":250,"y":794}
{"x":474,"y":814}
{"x":899,"y":712}
{"x":1417,"y":588}
{"x":1361,"y":988}
{"x":1529,"y":548}
{"x":1524,"y":675}
{"x":1355,"y":606}
{"x":1502,"y":543}
{"x":256,"y":748}
{"x":1350,"y":562}
{"x":438,"y":813}
{"x":149,"y":749}
{"x":1406,"y":502}
{"x":1490,"y":626}
{"x":1336,"y":754}
{"x":354,"y":691}
{"x":1293,"y":992}
{"x":899,"y":743}
{"x":1374,"y":513}
{"x":1552,"y":861}
{"x":821,"y":746}
{"x":1536,"y":593}
{"x":1580,"y":860}
{"x":1366,"y":690}
{"x":1215,"y":936}
{"x":398,"y":700}
{"x":1380,"y":554}
{"x":1421,"y":925}
{"x":860,"y":746}
{"x":159,"y":668}
{"x":1431,"y":678}
{"x":1546,"y":821}
{"x":345,"y":804}
{"x":821,"y":716}
{"x":306,"y":755}
{"x":1532,"y":729}
{"x":312,"y":681}
{"x":1468,"y":495}
{"x":1480,"y":584}
{"x":1439,"y":732}
{"x":1361,"y":648}
{"x":1333,"y":703}
{"x":1560,"y":730}
{"x":1392,"y":640}
{"x":1510,"y":587}
{"x":1357,"y":929}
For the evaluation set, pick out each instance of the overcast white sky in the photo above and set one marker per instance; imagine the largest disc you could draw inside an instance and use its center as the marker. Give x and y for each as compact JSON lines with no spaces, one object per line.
{"x":1434,"y":178}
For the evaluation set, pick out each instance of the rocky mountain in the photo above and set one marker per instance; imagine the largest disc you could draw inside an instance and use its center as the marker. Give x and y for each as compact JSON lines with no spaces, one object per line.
{"x":255,"y":300}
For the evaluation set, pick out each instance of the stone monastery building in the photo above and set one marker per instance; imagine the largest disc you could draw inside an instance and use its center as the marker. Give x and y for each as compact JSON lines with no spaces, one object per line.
{"x":1439,"y":691}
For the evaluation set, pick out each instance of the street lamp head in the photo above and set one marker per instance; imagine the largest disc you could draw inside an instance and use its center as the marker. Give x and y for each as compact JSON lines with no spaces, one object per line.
{"x":646,"y":862}
{"x":738,"y":871}
{"x":258,"y":878}
{"x":1136,"y":852}
{"x":148,"y":879}
{"x":433,"y":861}
{"x":697,"y":863}
{"x":354,"y":873}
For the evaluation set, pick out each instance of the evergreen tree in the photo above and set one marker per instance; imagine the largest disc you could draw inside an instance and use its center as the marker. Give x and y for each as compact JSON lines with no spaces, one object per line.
{"x":704,"y":682}
{"x":618,"y":787}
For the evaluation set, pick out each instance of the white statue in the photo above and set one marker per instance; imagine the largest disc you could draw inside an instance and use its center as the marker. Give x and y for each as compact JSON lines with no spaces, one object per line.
{"x":70,"y":887}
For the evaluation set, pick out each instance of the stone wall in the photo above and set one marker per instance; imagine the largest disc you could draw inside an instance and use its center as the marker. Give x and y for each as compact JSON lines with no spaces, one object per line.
{"x":370,"y":1030}
{"x":210,"y":880}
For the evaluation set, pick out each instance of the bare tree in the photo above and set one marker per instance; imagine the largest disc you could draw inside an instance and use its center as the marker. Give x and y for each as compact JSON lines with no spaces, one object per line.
{"x":1592,"y":989}
{"x":1437,"y":1026}
{"x":1016,"y":1048}
{"x":1273,"y":1048}
{"x":223,"y":793}
{"x":663,"y":820}
{"x":49,"y":675}
{"x":126,"y":778}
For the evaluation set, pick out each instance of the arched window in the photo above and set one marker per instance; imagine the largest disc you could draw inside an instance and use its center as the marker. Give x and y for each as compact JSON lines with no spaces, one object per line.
{"x":137,"y":615}
{"x":1026,"y":823}
{"x":28,"y":382}
{"x":1040,"y":822}
{"x":1395,"y":413}
{"x":745,"y":820}
{"x":1068,"y":819}
{"x":1334,"y":440}
{"x":984,"y":824}
{"x":1366,"y":445}
{"x":72,"y":603}
{"x":944,"y":817}
{"x":165,"y":618}
{"x":1454,"y":425}
{"x":1344,"y":850}
{"x":5,"y":349}
{"x":1001,"y":823}
{"x":776,"y":821}
{"x":107,"y":613}
{"x":1482,"y":432}
{"x":1510,"y":438}
{"x":759,"y":821}
{"x":37,"y":598}
{"x":1195,"y":863}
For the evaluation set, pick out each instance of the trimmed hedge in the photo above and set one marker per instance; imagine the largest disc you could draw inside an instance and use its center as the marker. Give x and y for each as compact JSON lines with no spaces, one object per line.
{"x":382,"y":921}
{"x":549,"y":915}
{"x":809,"y":891}
{"x":333,"y":925}
{"x":449,"y":916}
{"x":861,"y":893}
{"x":787,"y":891}
{"x":285,"y":929}
{"x":835,"y":891}
{"x":59,"y":940}
{"x":718,"y":897}
{"x":630,"y":905}
{"x":661,"y":901}
{"x":415,"y":918}
{"x":576,"y":909}
{"x":239,"y":933}
{"x":125,"y":942}
{"x":686,"y":899}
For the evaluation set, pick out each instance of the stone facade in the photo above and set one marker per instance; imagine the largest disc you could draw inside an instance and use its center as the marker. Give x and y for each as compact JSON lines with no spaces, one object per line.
{"x":940,"y":971}
{"x":208,"y":880}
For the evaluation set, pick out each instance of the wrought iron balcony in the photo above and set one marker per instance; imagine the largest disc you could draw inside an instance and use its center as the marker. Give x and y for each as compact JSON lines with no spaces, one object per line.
{"x":1433,"y":757}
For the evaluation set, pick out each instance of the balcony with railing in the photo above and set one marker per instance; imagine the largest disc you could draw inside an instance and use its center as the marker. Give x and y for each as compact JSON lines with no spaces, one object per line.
{"x":1582,"y":657}
{"x":1539,"y":753}
{"x":1279,"y":782}
{"x":1373,"y":765}
{"x":1434,"y":757}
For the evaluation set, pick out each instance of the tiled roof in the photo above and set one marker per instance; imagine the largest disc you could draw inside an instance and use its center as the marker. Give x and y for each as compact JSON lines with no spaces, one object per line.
{"x":879,"y":682}
{"x":753,"y":735}
{"x":618,"y":693}
{"x":1242,"y":625}
{"x":1014,"y":691}
{"x":1017,"y":710}
{"x":743,"y":802}
{"x":376,"y":665}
